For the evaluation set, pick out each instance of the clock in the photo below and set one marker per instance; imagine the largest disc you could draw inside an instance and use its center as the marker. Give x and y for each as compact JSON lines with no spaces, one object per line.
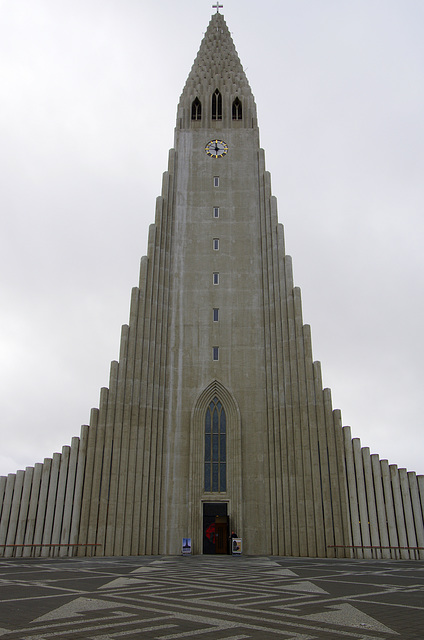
{"x":216,"y":148}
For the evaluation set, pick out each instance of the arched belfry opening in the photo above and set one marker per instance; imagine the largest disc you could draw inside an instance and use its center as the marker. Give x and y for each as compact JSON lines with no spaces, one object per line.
{"x":216,"y":105}
{"x":196,"y":109}
{"x":237,"y":112}
{"x":215,"y":453}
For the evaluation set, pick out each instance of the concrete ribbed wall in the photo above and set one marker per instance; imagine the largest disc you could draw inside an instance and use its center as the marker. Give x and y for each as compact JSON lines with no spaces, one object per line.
{"x":41,"y":505}
{"x":386,"y":504}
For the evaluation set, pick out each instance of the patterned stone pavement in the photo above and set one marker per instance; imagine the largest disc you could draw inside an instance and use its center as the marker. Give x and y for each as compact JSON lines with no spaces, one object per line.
{"x":211,"y":598}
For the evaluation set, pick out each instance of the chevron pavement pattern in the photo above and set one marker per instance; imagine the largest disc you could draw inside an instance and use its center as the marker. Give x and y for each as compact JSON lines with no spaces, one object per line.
{"x":211,"y":598}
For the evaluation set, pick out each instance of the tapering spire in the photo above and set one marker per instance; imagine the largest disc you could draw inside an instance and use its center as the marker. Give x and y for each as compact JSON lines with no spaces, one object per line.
{"x":217,"y":66}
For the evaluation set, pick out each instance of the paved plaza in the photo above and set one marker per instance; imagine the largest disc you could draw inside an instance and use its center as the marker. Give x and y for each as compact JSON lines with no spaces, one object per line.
{"x":210,"y":598}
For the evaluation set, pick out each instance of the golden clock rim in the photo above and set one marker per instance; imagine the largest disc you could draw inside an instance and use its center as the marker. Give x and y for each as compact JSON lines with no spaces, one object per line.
{"x":216,"y":155}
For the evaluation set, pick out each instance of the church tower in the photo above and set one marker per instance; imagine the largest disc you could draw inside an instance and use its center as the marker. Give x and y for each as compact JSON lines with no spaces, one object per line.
{"x":236,"y":346}
{"x":215,"y":417}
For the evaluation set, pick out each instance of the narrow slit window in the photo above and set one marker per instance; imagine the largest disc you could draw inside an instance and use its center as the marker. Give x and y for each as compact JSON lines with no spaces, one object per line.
{"x":216,"y":212}
{"x":216,"y":181}
{"x":215,"y":353}
{"x":237,"y":111}
{"x":215,"y":314}
{"x":216,"y":277}
{"x":196,"y":109}
{"x":216,"y":105}
{"x":216,"y":244}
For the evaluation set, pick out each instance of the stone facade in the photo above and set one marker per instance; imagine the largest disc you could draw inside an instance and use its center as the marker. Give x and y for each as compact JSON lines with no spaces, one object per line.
{"x":215,"y":402}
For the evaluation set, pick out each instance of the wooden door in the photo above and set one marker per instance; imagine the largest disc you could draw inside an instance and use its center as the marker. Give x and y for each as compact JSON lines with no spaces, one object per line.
{"x":221,"y":537}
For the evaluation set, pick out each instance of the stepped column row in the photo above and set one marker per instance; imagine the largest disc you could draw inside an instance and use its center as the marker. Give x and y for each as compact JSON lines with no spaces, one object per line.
{"x":39,"y":507}
{"x":386,"y":505}
{"x":308,"y":507}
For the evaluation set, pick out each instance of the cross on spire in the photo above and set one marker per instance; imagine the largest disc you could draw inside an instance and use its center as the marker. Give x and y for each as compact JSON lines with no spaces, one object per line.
{"x":217,"y":6}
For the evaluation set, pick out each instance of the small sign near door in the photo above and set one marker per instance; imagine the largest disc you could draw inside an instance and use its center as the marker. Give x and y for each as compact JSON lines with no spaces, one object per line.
{"x":236,"y":546}
{"x":186,"y":548}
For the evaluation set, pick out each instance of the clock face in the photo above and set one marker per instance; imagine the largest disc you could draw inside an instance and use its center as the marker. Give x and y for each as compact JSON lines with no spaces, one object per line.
{"x":216,"y":148}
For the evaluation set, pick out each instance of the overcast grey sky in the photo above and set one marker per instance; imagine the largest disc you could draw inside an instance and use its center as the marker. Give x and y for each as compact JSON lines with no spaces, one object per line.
{"x":88,"y":95}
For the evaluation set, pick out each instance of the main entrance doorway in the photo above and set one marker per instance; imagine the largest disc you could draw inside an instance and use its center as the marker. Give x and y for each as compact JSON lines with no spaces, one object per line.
{"x":215,"y":527}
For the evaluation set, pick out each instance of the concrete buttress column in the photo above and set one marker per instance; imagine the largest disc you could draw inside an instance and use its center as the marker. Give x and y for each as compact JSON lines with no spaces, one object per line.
{"x":362,"y":498}
{"x":307,"y":537}
{"x":318,"y":526}
{"x":88,"y":474}
{"x":5,"y":514}
{"x":323,"y":461}
{"x":417,"y":511}
{"x":407,"y":510}
{"x":23,"y":511}
{"x":390,"y":508}
{"x":381,"y":507}
{"x":79,"y":481}
{"x":420,"y":480}
{"x":3,"y":480}
{"x":60,"y":499}
{"x":372,"y":511}
{"x":69,"y":499}
{"x":400,"y":517}
{"x":14,"y":512}
{"x":32,"y":512}
{"x":353,"y":496}
{"x":50,"y":507}
{"x":42,"y":505}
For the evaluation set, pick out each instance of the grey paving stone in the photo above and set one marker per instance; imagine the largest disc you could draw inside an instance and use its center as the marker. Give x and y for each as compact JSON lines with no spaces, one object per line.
{"x":205,"y":597}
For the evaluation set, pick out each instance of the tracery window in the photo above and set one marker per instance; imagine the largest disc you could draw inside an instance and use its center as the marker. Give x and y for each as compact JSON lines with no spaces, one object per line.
{"x":196,"y":109}
{"x":216,"y":105}
{"x":237,"y":110}
{"x":215,"y":448}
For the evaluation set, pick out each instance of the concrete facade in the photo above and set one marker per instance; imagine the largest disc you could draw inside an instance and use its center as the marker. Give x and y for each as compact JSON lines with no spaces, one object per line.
{"x":215,"y":330}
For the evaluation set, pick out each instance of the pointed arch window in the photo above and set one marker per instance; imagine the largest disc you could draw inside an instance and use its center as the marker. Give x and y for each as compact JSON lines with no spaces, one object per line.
{"x":196,"y":109}
{"x":237,"y":110}
{"x":215,"y":448}
{"x":216,"y":105}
